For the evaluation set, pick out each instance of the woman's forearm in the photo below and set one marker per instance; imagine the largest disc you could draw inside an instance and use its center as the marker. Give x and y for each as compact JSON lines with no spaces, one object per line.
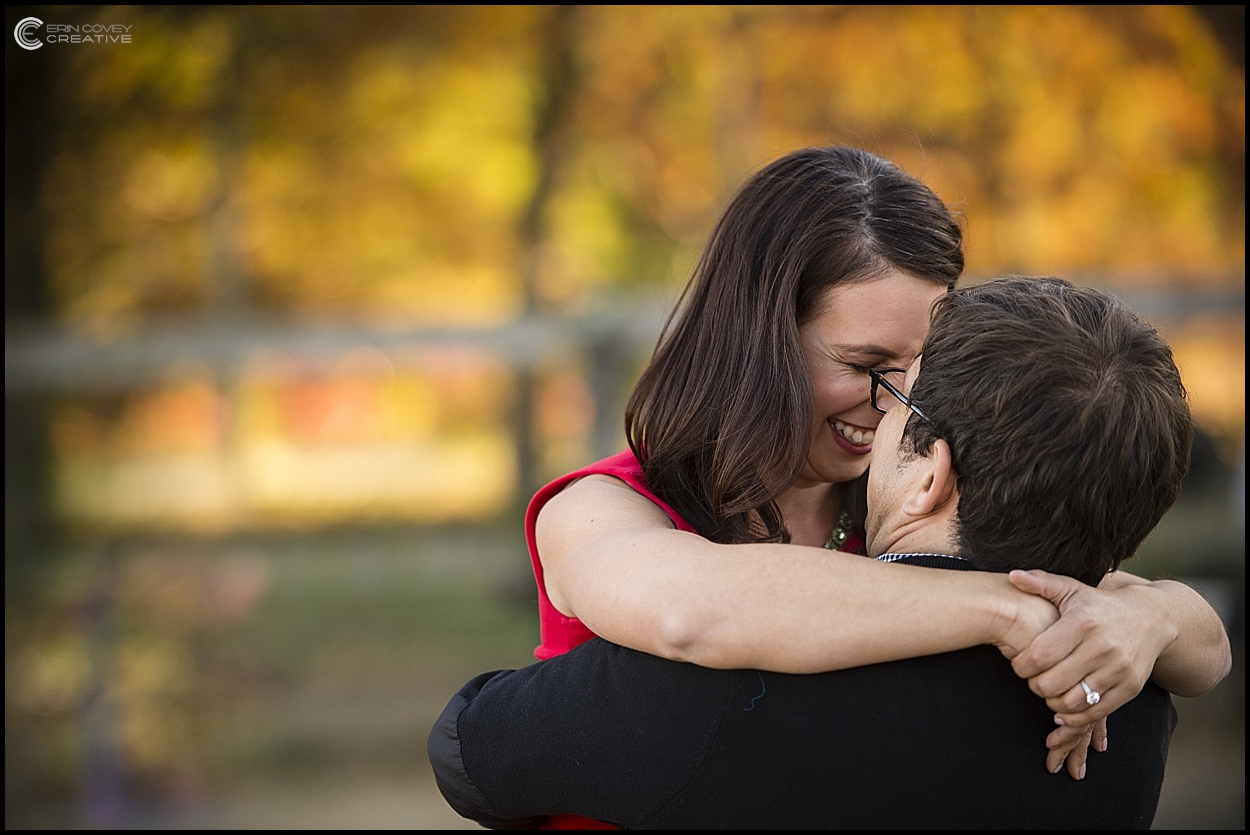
{"x":612,"y":559}
{"x":718,"y":606}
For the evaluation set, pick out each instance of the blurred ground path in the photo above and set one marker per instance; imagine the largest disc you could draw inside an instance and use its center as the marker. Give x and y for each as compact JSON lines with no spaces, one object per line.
{"x":365,"y":801}
{"x":1205,"y":783}
{"x":1204,"y":787}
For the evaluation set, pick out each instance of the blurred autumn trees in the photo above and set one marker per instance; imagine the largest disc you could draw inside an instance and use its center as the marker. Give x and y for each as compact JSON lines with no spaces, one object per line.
{"x":435,"y":163}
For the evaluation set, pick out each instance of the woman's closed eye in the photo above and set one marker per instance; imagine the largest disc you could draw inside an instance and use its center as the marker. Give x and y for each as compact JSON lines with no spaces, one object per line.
{"x":864,"y":369}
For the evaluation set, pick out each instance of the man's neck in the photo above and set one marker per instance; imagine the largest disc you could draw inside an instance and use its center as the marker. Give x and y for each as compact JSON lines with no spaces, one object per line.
{"x":923,"y":539}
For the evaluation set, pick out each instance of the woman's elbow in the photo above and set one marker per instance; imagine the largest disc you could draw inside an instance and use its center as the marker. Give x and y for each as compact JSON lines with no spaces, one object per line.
{"x":696,"y":637}
{"x":681,"y":636}
{"x":1196,"y":681}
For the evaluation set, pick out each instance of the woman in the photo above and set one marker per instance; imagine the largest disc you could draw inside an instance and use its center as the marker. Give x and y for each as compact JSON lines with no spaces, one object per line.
{"x":750,"y":433}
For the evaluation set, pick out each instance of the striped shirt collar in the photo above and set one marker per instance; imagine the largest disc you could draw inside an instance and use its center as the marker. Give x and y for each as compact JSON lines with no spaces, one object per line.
{"x":897,"y":557}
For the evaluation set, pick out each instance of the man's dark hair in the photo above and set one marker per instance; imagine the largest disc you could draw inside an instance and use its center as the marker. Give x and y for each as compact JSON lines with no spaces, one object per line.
{"x":721,"y":418}
{"x":1067,"y":422}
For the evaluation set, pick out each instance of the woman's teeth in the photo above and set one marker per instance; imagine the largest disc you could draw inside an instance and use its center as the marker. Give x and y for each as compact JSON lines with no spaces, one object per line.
{"x":859,"y":437}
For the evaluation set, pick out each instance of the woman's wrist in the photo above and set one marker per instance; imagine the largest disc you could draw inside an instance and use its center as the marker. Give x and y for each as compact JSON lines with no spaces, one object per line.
{"x":1016,"y":617}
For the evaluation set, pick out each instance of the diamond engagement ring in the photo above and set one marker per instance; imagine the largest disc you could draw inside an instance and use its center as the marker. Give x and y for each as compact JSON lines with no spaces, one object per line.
{"x":1092,"y":697}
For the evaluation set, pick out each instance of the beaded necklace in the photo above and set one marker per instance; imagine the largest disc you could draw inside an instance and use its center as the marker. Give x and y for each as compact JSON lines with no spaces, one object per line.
{"x":840,"y":533}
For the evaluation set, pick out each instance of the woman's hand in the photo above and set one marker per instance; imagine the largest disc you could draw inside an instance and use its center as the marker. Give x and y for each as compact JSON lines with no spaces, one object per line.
{"x":1091,"y":641}
{"x":1109,"y":639}
{"x":1071,"y":744}
{"x":1116,"y":636}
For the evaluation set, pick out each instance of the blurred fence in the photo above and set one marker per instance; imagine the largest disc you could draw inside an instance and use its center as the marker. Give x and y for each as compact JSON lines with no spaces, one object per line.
{"x":396,"y":473}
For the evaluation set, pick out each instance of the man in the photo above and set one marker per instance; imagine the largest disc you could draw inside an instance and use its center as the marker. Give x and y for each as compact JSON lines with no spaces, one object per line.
{"x":1044,"y":426}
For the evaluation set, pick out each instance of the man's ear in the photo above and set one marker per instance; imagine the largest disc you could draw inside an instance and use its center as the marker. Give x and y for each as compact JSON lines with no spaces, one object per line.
{"x":935,"y":489}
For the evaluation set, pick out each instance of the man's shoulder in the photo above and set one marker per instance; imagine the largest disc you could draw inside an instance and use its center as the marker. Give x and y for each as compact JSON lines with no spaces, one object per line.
{"x":941,"y":741}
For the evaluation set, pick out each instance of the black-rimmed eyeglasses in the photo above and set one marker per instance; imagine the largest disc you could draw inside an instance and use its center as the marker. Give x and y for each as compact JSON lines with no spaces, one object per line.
{"x":877,"y":375}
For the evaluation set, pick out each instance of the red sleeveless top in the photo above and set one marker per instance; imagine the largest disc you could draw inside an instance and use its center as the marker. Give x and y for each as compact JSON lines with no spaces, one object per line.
{"x":558,"y":634}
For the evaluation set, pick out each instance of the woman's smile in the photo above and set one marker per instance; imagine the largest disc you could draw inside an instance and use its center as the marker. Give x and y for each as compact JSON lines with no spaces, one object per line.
{"x":856,"y":439}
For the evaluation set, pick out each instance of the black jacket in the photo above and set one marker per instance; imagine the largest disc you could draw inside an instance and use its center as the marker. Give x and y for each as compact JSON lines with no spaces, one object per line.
{"x":944,"y":741}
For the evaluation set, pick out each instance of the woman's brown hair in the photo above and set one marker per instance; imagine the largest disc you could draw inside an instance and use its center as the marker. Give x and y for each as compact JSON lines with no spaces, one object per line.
{"x":721,"y":418}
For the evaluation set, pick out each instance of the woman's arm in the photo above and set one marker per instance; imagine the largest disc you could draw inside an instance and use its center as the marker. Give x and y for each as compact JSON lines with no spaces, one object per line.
{"x":1128,"y":629}
{"x":1200,"y":656}
{"x":614,"y":560}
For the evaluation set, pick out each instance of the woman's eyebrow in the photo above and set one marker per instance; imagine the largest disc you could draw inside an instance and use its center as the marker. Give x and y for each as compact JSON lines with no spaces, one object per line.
{"x":866,"y":348}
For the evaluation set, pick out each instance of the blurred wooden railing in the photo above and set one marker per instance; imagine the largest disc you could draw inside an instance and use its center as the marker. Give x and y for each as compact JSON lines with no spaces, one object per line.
{"x":51,"y":360}
{"x":45,"y":359}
